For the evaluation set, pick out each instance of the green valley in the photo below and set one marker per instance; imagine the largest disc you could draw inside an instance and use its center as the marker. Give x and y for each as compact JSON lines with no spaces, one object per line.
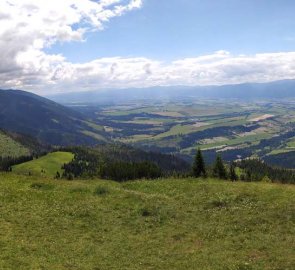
{"x":147,"y":135}
{"x":234,"y":128}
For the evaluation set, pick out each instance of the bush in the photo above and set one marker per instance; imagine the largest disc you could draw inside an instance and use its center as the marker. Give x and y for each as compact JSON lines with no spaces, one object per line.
{"x":101,"y":190}
{"x":266,"y":179}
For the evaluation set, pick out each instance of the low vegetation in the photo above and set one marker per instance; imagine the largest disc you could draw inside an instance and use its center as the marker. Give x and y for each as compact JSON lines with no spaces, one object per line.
{"x":11,"y":148}
{"x":47,"y":165}
{"x":112,"y":162}
{"x":162,"y":224}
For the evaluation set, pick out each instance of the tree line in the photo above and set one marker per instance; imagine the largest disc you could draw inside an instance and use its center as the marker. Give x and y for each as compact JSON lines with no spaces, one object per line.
{"x":218,"y":170}
{"x":258,"y":170}
{"x":250,"y":170}
{"x":87,"y":164}
{"x":6,"y":163}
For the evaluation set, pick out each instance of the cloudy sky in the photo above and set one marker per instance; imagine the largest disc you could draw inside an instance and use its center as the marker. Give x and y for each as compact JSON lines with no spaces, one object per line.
{"x":59,"y":46}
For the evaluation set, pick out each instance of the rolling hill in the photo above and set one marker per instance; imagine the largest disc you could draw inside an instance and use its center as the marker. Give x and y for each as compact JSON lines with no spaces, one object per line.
{"x":47,"y":165}
{"x":46,"y":120}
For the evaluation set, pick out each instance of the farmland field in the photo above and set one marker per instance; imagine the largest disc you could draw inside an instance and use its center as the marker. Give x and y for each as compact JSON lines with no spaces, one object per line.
{"x":233,"y":128}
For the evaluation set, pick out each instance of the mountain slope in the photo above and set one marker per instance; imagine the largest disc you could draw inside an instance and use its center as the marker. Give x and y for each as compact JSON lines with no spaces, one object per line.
{"x":124,"y":153}
{"x":44,"y":119}
{"x":11,"y":148}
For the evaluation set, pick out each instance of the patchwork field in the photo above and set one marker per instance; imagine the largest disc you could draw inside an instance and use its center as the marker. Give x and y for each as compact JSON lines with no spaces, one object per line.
{"x":233,"y":128}
{"x":47,"y":165}
{"x":162,"y":224}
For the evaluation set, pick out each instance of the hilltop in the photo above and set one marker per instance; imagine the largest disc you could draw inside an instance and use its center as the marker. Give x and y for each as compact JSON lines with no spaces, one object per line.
{"x":161,"y":224}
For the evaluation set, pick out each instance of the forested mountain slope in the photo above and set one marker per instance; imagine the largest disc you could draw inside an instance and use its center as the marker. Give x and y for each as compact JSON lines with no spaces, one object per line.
{"x":46,"y":120}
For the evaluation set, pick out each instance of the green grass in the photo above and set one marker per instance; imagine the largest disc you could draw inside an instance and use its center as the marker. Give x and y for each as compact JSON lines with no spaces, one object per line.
{"x":45,"y":166}
{"x":176,"y":130}
{"x":186,"y":129}
{"x":281,"y":151}
{"x":291,"y":143}
{"x":239,"y":140}
{"x":94,"y":135}
{"x":94,"y":126}
{"x":11,"y":148}
{"x":171,"y":224}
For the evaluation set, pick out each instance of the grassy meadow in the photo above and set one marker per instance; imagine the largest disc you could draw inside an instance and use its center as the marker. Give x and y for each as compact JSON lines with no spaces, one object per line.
{"x":44,"y":166}
{"x":162,"y":224}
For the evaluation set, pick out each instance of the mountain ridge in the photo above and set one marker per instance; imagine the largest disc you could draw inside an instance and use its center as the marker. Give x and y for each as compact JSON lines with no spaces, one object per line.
{"x":48,"y":121}
{"x":270,"y":90}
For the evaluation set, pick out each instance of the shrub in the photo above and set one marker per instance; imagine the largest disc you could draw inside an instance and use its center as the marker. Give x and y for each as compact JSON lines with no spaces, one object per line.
{"x":266,"y":179}
{"x":101,"y":190}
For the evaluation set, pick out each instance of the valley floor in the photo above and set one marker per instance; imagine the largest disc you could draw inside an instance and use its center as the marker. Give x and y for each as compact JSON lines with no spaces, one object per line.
{"x":162,"y":224}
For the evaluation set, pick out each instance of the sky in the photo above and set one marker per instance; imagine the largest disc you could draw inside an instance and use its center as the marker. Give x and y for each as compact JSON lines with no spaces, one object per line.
{"x":83,"y":45}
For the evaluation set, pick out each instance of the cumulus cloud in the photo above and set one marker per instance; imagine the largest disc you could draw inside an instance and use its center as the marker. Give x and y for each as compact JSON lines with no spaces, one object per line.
{"x":28,"y":27}
{"x":218,"y":68}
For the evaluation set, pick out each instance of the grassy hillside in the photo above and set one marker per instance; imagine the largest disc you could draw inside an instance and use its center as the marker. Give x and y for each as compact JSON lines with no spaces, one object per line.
{"x":171,"y":224}
{"x":46,"y":166}
{"x":10,"y":147}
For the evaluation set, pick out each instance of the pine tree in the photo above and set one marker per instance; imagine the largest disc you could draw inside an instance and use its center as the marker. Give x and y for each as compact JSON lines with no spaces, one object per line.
{"x":232,"y":172}
{"x":219,"y":168}
{"x":199,"y":168}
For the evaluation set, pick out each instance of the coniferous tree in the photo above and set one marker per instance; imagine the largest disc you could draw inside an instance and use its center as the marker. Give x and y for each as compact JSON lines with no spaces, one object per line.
{"x":232,"y":172}
{"x":199,"y":168}
{"x":219,"y":168}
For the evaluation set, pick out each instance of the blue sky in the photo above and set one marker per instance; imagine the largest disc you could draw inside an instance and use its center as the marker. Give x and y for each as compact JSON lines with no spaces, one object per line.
{"x":81,"y":45}
{"x":172,"y":29}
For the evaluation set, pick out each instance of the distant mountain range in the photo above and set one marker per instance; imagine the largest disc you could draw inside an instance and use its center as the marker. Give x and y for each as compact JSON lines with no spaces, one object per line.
{"x":52,"y":123}
{"x":247,"y":91}
{"x":55,"y":124}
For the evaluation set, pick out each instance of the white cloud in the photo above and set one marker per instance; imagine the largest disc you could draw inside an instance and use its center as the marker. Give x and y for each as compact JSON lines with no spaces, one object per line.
{"x":218,"y":68}
{"x":28,"y":27}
